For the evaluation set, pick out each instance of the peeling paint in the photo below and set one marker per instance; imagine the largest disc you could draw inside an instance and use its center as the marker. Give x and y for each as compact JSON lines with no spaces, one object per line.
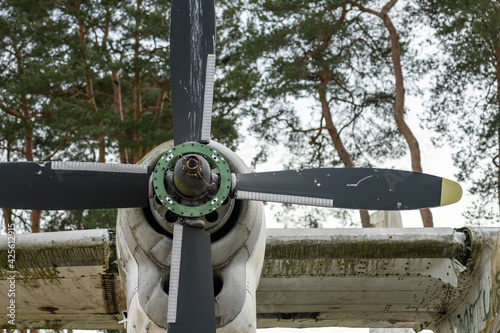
{"x":359,"y":278}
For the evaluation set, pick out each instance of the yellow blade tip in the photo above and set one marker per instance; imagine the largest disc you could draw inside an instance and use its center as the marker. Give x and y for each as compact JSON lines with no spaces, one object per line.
{"x":451,"y":192}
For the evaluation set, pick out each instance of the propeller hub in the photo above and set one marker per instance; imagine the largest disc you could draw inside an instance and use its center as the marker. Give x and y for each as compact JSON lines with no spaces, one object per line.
{"x":196,"y":167}
{"x":192,"y":175}
{"x":192,"y":166}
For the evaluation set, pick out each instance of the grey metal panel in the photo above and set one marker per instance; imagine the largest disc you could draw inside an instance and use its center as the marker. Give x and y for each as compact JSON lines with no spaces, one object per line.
{"x":62,"y":280}
{"x":361,"y":277}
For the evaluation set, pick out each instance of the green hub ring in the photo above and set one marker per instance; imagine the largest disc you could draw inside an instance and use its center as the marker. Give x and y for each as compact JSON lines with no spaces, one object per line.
{"x":168,"y":160}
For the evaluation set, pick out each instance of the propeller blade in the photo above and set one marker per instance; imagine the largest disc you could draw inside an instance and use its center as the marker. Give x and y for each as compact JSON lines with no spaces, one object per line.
{"x":192,"y":67}
{"x":73,"y":185}
{"x":191,"y":306}
{"x":354,"y":188}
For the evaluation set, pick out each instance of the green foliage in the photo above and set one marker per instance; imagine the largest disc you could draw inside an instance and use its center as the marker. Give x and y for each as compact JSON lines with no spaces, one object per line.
{"x":303,"y":48}
{"x":89,"y":81}
{"x":307,"y":62}
{"x":83,"y":219}
{"x":465,"y":105}
{"x":29,"y":36}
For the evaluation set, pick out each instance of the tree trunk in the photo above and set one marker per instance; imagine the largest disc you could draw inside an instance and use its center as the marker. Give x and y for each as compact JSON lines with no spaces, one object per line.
{"x":137,"y":155}
{"x":337,"y":141}
{"x":35,"y":220}
{"x":28,"y":134}
{"x":117,"y":101}
{"x":399,"y":107}
{"x":7,"y":217}
{"x":399,"y":102}
{"x":78,"y":214}
{"x":117,"y":94}
{"x":160,"y":100}
{"x":102,"y":149}
{"x":89,"y":84}
{"x":497,"y":60}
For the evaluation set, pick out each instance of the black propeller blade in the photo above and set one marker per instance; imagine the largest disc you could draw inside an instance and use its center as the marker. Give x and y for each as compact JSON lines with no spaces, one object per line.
{"x":191,"y":306}
{"x":192,"y":67}
{"x":355,"y":188}
{"x":63,"y":185}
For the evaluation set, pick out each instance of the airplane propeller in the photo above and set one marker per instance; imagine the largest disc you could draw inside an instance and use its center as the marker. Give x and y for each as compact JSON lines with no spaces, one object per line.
{"x":192,"y":179}
{"x":192,"y":65}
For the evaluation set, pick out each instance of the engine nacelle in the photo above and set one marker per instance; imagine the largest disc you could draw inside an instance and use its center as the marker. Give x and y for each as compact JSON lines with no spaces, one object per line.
{"x":144,"y":238}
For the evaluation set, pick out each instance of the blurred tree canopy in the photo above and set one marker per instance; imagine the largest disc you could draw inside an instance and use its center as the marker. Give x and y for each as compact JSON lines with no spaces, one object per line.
{"x":465,"y":108}
{"x":89,"y":81}
{"x":332,"y":85}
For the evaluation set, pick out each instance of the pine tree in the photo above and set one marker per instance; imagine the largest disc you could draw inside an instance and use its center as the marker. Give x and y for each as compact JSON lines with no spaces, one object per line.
{"x":337,"y":59}
{"x":465,"y":106}
{"x":89,"y":81}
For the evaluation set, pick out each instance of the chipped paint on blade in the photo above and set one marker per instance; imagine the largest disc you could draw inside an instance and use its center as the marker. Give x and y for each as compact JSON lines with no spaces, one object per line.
{"x":101,"y":167}
{"x":175,"y":270}
{"x":290,"y":199}
{"x":208,"y":98}
{"x":356,"y":184}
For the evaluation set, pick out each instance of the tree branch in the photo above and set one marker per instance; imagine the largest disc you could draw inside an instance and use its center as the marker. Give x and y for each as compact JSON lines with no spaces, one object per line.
{"x":388,"y":6}
{"x":13,"y":113}
{"x":149,"y":108}
{"x":14,"y":149}
{"x":78,"y":93}
{"x":105,"y":94}
{"x":61,"y":143}
{"x":364,"y":9}
{"x":232,"y":107}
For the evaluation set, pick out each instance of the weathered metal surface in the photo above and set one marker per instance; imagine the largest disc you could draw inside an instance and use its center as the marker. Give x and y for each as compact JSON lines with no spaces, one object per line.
{"x":301,"y":244}
{"x":362,"y":277}
{"x":388,"y":219}
{"x":61,"y":280}
{"x":144,"y":254}
{"x":311,"y":278}
{"x":478,"y":310}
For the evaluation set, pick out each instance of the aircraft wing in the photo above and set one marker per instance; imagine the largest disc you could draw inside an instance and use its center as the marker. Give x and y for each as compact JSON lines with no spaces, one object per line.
{"x":441,"y":279}
{"x":61,"y":280}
